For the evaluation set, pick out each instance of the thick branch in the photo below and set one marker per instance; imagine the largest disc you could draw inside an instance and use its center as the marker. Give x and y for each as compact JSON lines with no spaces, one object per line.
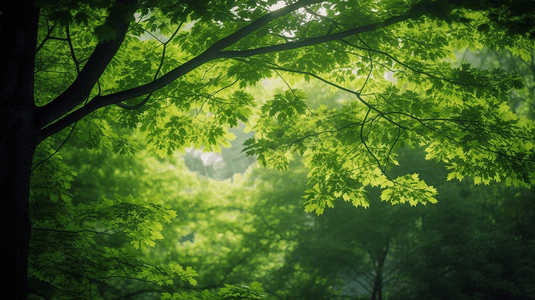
{"x":213,"y":52}
{"x":104,"y":52}
{"x":314,"y":40}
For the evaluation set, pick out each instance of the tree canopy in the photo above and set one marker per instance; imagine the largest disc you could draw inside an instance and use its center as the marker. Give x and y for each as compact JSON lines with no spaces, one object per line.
{"x":193,"y":75}
{"x":161,"y":75}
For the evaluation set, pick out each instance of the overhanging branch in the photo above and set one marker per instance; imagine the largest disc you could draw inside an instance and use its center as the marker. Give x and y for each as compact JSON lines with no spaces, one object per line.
{"x":216,"y":52}
{"x":314,"y":40}
{"x":83,"y":84}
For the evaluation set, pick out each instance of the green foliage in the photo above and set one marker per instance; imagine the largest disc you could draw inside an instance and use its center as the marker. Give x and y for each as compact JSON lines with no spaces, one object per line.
{"x":127,"y":215}
{"x":229,"y":292}
{"x":463,"y":247}
{"x":73,"y":245}
{"x":458,"y":113}
{"x":82,"y":238}
{"x":284,"y":107}
{"x":235,"y":292}
{"x":187,"y":72}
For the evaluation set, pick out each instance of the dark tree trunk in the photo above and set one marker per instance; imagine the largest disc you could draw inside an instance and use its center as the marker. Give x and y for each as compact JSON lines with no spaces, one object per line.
{"x":18,"y":139}
{"x":378,"y":286}
{"x":16,"y":157}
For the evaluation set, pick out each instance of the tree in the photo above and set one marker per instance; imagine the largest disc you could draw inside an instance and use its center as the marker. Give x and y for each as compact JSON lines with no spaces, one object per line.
{"x":469,"y":247}
{"x":76,"y":67}
{"x":475,"y":243}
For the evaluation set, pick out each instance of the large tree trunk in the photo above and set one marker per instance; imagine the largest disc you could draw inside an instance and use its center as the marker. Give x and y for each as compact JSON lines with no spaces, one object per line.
{"x":18,"y":139}
{"x":16,"y":157}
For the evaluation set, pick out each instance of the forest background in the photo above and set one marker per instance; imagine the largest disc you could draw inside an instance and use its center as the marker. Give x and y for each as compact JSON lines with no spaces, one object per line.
{"x":375,"y":120}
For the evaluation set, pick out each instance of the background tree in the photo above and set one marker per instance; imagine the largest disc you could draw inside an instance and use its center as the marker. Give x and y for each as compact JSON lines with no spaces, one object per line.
{"x":70,"y":62}
{"x":455,"y":249}
{"x":462,"y":251}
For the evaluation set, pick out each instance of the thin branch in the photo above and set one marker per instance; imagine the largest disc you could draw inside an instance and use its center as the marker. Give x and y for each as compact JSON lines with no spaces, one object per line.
{"x":73,"y":55}
{"x":414,"y":69}
{"x":368,"y":149}
{"x":291,"y":90}
{"x":60,"y":146}
{"x":162,"y":60}
{"x":114,"y":256}
{"x":387,"y":158}
{"x":371,"y":64}
{"x":357,"y":94}
{"x":322,"y":132}
{"x":47,"y":37}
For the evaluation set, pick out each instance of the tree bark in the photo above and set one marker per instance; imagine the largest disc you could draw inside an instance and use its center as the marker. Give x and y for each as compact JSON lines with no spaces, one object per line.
{"x":18,"y":139}
{"x":16,"y":158}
